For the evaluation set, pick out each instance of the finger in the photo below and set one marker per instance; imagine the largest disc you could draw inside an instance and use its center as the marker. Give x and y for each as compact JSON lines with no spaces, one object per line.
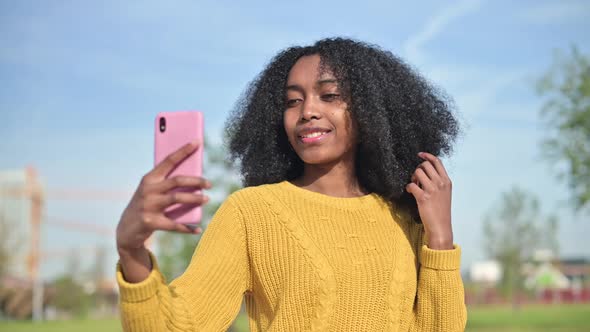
{"x":195,"y":228}
{"x":168,"y":164}
{"x":414,"y":179}
{"x":423,"y":180}
{"x":429,"y":169}
{"x":438,"y":165}
{"x":413,"y":189}
{"x":159,"y":202}
{"x":166,"y":224}
{"x":179,"y":181}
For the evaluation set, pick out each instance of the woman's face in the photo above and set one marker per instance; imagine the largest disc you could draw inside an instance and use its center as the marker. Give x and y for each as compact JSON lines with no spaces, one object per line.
{"x":317,"y":122}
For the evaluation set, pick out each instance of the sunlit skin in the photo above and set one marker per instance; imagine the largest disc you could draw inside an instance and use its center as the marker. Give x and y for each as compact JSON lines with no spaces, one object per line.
{"x":313,"y":104}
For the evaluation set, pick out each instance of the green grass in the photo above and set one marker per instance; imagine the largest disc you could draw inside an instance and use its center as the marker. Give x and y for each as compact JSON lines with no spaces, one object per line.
{"x":63,"y":326}
{"x":563,"y":318}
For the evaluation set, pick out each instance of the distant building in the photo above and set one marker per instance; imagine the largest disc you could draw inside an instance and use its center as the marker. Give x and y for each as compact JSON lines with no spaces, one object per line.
{"x":15,"y":219}
{"x":576,"y":270}
{"x":487,"y":272}
{"x":551,"y":280}
{"x":546,"y":276}
{"x":546,"y":271}
{"x":558,"y":279}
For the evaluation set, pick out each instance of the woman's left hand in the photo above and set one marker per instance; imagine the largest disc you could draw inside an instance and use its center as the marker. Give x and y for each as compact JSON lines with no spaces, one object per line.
{"x":432,"y":189}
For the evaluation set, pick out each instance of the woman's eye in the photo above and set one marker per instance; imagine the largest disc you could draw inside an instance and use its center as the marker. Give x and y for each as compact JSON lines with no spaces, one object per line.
{"x":292,"y":102}
{"x":330,"y":96}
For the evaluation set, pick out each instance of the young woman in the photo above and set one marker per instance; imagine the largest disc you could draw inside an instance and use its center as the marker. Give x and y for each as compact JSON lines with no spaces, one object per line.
{"x":345,"y":221}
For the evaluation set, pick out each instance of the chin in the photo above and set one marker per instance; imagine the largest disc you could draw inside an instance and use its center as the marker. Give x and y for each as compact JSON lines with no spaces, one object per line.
{"x":317,"y":158}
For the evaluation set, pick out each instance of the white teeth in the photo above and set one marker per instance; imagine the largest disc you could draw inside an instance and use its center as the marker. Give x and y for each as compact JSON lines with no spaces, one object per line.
{"x":312,"y":135}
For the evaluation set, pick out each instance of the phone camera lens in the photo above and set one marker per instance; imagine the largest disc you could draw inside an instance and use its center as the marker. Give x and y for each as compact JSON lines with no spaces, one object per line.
{"x":162,"y":124}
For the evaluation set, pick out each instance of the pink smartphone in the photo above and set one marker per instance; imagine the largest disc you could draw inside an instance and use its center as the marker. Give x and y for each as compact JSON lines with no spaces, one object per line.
{"x":172,"y":131}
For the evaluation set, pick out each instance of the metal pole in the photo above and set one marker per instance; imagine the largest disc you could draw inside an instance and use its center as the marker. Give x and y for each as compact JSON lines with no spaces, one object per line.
{"x":36,"y":196}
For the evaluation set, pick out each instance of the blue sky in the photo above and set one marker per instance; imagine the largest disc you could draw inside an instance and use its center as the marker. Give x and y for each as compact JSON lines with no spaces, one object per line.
{"x":82,"y":82}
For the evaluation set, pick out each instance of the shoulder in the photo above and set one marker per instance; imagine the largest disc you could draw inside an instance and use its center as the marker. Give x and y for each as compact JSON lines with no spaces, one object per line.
{"x":253,"y":192}
{"x":251,"y":197}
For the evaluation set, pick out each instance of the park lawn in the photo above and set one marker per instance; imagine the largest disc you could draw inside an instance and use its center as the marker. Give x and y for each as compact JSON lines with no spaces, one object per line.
{"x":562,"y":318}
{"x":110,"y":325}
{"x":63,"y":326}
{"x":557,"y":318}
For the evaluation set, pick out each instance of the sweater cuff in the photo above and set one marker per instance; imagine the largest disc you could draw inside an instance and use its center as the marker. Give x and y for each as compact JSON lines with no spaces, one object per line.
{"x":143,"y":290}
{"x":441,"y":259}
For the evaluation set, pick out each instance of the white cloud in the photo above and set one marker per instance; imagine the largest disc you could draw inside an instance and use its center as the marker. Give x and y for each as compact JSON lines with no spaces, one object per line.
{"x":476,"y":87}
{"x":435,"y":26}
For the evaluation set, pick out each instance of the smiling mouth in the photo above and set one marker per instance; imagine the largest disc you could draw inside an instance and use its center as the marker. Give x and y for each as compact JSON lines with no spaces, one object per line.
{"x":313,"y":136}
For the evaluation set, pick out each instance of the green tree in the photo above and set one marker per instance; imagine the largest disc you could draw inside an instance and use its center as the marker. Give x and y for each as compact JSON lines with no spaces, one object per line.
{"x":513,"y":229}
{"x":70,"y":296}
{"x":175,"y":250}
{"x":566,"y":112}
{"x":99,"y":267}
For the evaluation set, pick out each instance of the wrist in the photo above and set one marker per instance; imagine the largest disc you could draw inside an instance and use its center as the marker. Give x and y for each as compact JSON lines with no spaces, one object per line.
{"x":125,"y":253}
{"x":439,"y":242}
{"x":136,"y":264}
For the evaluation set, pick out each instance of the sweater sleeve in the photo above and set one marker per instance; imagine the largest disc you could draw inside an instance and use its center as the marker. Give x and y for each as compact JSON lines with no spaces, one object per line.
{"x":207,"y":296}
{"x":440,"y":297}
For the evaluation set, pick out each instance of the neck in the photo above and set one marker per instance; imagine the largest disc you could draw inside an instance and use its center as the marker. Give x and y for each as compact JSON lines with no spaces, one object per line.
{"x":338,"y":180}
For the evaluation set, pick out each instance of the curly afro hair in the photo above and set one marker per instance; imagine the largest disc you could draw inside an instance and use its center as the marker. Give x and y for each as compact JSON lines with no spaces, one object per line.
{"x":397,"y":111}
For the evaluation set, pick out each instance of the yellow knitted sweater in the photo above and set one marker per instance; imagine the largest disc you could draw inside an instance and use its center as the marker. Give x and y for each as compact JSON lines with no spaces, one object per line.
{"x":304,"y":261}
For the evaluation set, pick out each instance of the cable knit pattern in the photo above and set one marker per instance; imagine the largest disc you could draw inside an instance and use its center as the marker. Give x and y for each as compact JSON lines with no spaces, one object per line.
{"x":304,"y":261}
{"x":324,"y":271}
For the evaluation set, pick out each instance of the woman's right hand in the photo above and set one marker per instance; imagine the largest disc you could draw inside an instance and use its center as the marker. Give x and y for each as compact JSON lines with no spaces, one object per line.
{"x":145,"y":212}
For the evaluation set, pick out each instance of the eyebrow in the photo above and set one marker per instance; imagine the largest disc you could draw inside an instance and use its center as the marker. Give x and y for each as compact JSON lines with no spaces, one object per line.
{"x":326,"y":81}
{"x":320,"y":82}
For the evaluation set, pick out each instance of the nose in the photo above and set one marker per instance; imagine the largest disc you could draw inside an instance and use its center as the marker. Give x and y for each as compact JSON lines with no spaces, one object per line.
{"x":310,"y":110}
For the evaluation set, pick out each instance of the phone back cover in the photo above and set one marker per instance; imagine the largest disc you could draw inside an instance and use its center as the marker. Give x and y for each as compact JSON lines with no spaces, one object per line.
{"x":181,"y":128}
